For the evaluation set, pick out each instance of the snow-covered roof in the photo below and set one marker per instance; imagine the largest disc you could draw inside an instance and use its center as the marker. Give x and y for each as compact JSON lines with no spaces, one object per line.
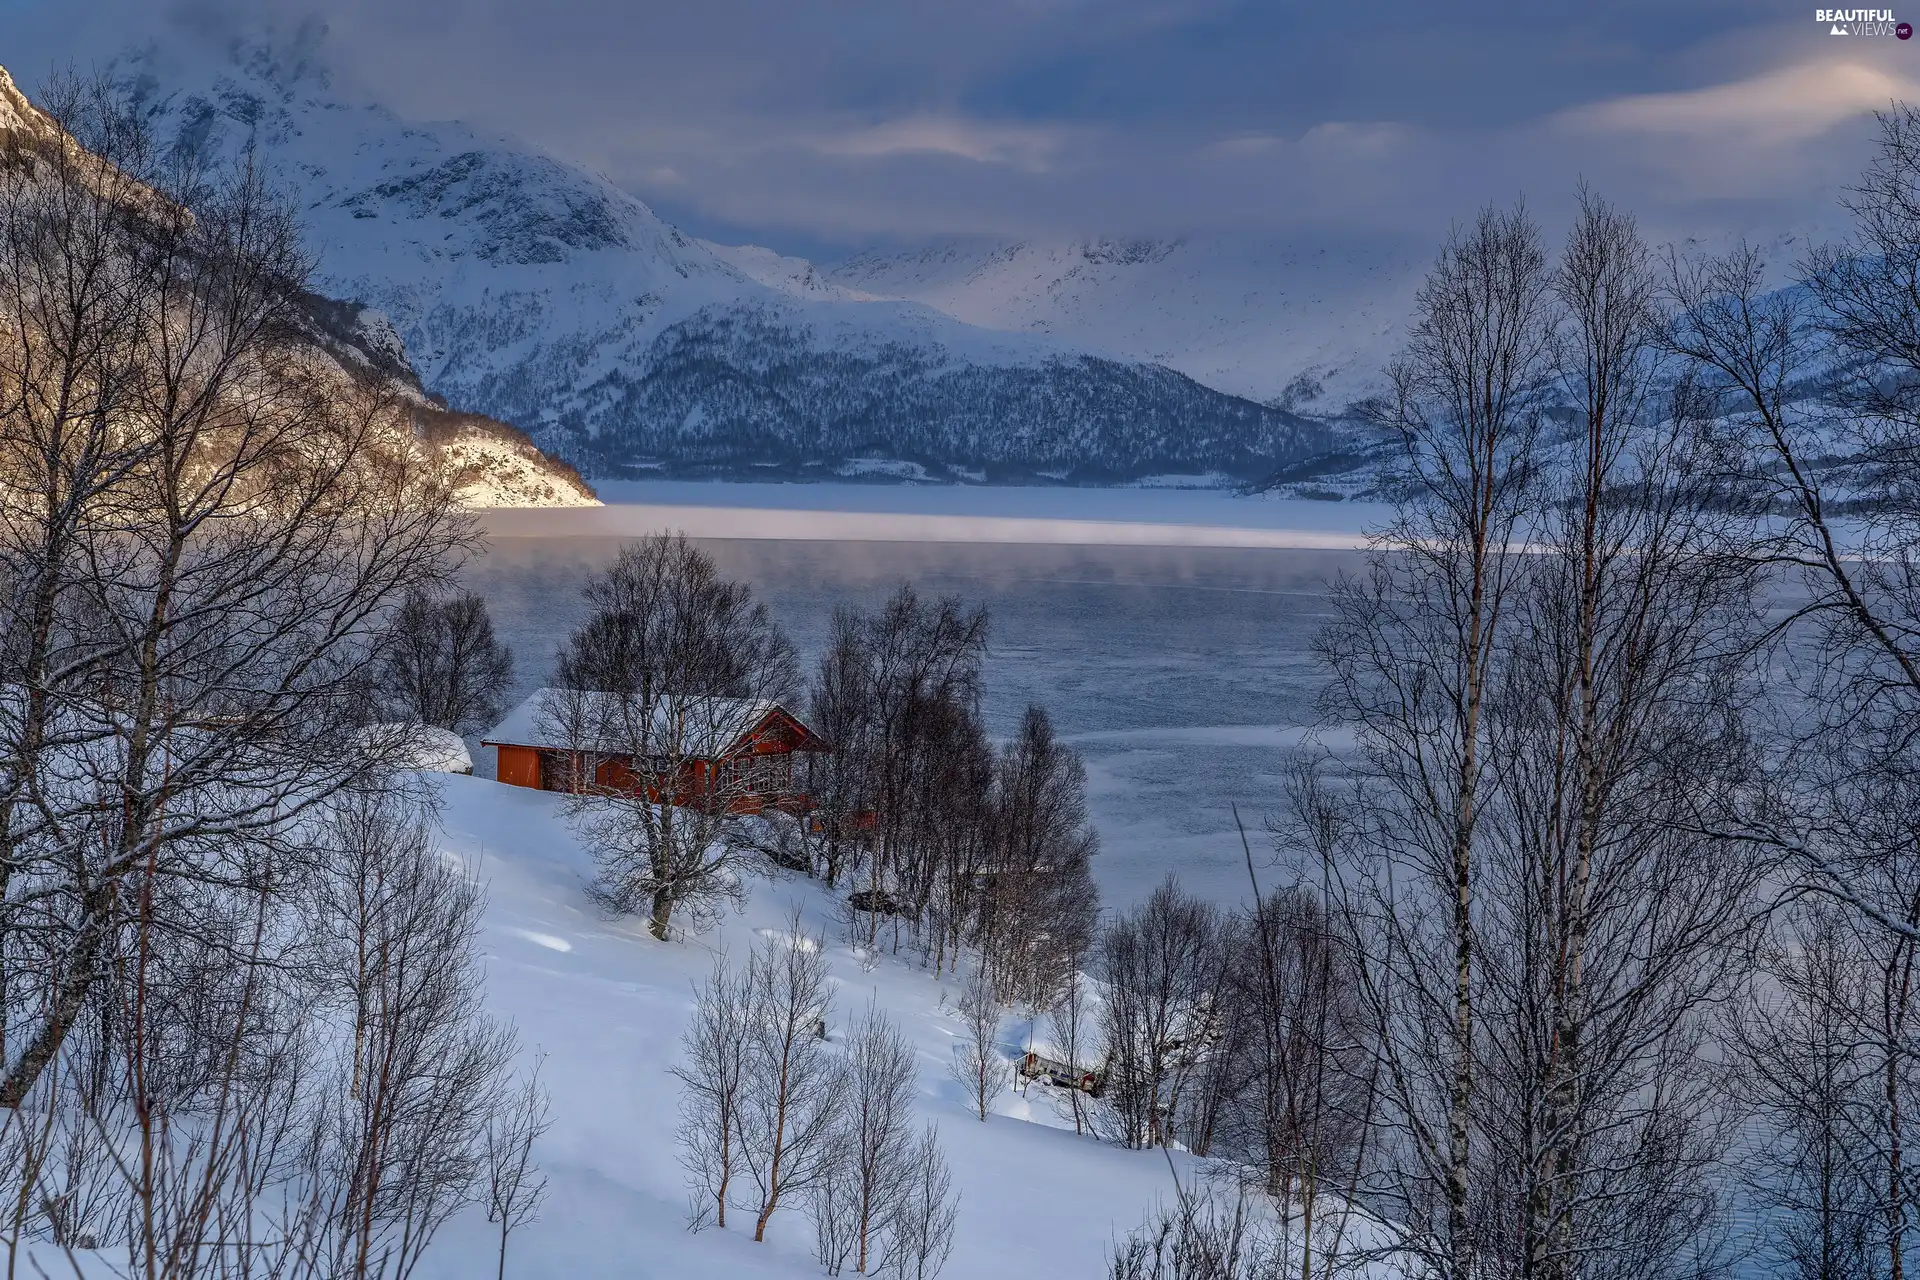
{"x":564,"y":719}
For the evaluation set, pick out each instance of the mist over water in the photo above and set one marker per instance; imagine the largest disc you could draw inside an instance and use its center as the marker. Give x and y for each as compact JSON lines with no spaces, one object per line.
{"x":1181,"y":674}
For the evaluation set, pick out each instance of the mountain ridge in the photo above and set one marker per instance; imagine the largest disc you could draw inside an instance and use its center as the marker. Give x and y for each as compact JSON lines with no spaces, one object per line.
{"x":541,"y":294}
{"x":1302,"y":328}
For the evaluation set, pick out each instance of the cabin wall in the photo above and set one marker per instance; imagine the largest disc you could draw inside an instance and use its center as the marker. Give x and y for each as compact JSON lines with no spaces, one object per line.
{"x":517,"y":766}
{"x":615,"y":773}
{"x":768,"y":766}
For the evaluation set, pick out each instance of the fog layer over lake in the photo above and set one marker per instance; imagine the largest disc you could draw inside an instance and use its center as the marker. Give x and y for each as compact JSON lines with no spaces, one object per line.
{"x":1182,"y":674}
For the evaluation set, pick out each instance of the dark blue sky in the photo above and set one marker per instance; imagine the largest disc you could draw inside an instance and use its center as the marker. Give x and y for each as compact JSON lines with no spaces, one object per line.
{"x":820,"y":123}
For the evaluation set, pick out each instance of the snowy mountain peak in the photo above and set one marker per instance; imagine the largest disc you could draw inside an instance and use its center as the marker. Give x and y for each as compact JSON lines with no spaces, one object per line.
{"x":343,"y":344}
{"x":795,"y":276}
{"x":446,"y":191}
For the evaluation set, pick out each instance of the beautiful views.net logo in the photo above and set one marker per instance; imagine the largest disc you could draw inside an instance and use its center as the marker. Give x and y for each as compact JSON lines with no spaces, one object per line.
{"x":1863,"y":22}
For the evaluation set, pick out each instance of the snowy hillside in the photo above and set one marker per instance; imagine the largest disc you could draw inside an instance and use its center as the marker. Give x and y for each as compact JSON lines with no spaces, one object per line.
{"x":541,"y":294}
{"x":783,"y":272}
{"x":606,"y":1005}
{"x":1307,"y":327}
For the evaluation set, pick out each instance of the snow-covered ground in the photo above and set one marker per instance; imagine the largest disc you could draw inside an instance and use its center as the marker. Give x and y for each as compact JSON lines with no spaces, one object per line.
{"x":954,"y":513}
{"x":607,"y":1004}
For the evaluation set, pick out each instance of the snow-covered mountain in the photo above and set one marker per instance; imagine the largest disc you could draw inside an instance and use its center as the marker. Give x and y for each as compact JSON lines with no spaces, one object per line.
{"x":487,"y":463}
{"x":1305,"y":326}
{"x":539,"y":293}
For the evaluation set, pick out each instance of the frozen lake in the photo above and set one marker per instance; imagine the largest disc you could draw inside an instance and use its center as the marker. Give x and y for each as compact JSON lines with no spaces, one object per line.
{"x":1182,"y":673}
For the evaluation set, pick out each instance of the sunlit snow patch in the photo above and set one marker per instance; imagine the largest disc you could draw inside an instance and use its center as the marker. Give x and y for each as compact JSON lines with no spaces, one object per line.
{"x":546,"y":940}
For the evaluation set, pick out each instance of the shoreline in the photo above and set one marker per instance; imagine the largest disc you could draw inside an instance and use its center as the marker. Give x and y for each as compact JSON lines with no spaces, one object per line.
{"x":983,"y":514}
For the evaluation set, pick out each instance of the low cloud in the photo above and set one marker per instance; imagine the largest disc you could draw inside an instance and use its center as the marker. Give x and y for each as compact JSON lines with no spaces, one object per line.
{"x":1032,"y":148}
{"x":1767,"y":136}
{"x":1778,"y":108}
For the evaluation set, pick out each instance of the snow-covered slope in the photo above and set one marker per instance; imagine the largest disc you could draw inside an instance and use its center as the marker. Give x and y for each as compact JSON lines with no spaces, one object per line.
{"x":607,"y":1004}
{"x":541,"y":294}
{"x":487,"y":463}
{"x":1305,"y":325}
{"x":20,"y":116}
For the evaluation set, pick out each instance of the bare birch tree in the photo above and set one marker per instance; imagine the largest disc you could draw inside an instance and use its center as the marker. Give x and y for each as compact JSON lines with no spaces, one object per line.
{"x":1300,"y":1089}
{"x":978,"y":1064}
{"x":1617,"y":716}
{"x":787,"y":1120}
{"x":441,"y":664}
{"x":1812,"y":389}
{"x":840,"y":782}
{"x":902,"y":687}
{"x":1038,"y":905}
{"x":1163,"y":966}
{"x":920,"y":1226}
{"x":1413,"y":653}
{"x":402,"y":1143}
{"x":870,"y":1168}
{"x":713,"y":1082}
{"x":201,"y":532}
{"x":516,"y":1187}
{"x":1799,"y":1060}
{"x":665,"y":675}
{"x":1071,"y":1022}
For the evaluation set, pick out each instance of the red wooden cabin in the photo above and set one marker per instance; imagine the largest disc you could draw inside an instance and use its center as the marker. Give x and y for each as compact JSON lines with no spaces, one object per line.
{"x":734,"y":748}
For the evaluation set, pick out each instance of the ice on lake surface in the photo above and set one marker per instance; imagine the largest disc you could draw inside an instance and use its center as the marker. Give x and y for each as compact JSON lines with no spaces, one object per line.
{"x":1182,"y":674}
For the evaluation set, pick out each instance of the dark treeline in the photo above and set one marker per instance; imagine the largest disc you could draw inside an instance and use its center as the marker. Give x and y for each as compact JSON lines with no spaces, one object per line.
{"x":955,"y":841}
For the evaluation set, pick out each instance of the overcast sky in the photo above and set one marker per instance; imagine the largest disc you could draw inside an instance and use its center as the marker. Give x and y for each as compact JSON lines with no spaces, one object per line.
{"x":821,"y":124}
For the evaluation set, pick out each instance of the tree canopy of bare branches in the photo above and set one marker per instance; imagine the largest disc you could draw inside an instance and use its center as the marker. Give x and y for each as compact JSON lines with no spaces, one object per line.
{"x":440,"y":664}
{"x":1413,"y":653}
{"x":1545,"y":666}
{"x":201,"y":532}
{"x":658,"y":676}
